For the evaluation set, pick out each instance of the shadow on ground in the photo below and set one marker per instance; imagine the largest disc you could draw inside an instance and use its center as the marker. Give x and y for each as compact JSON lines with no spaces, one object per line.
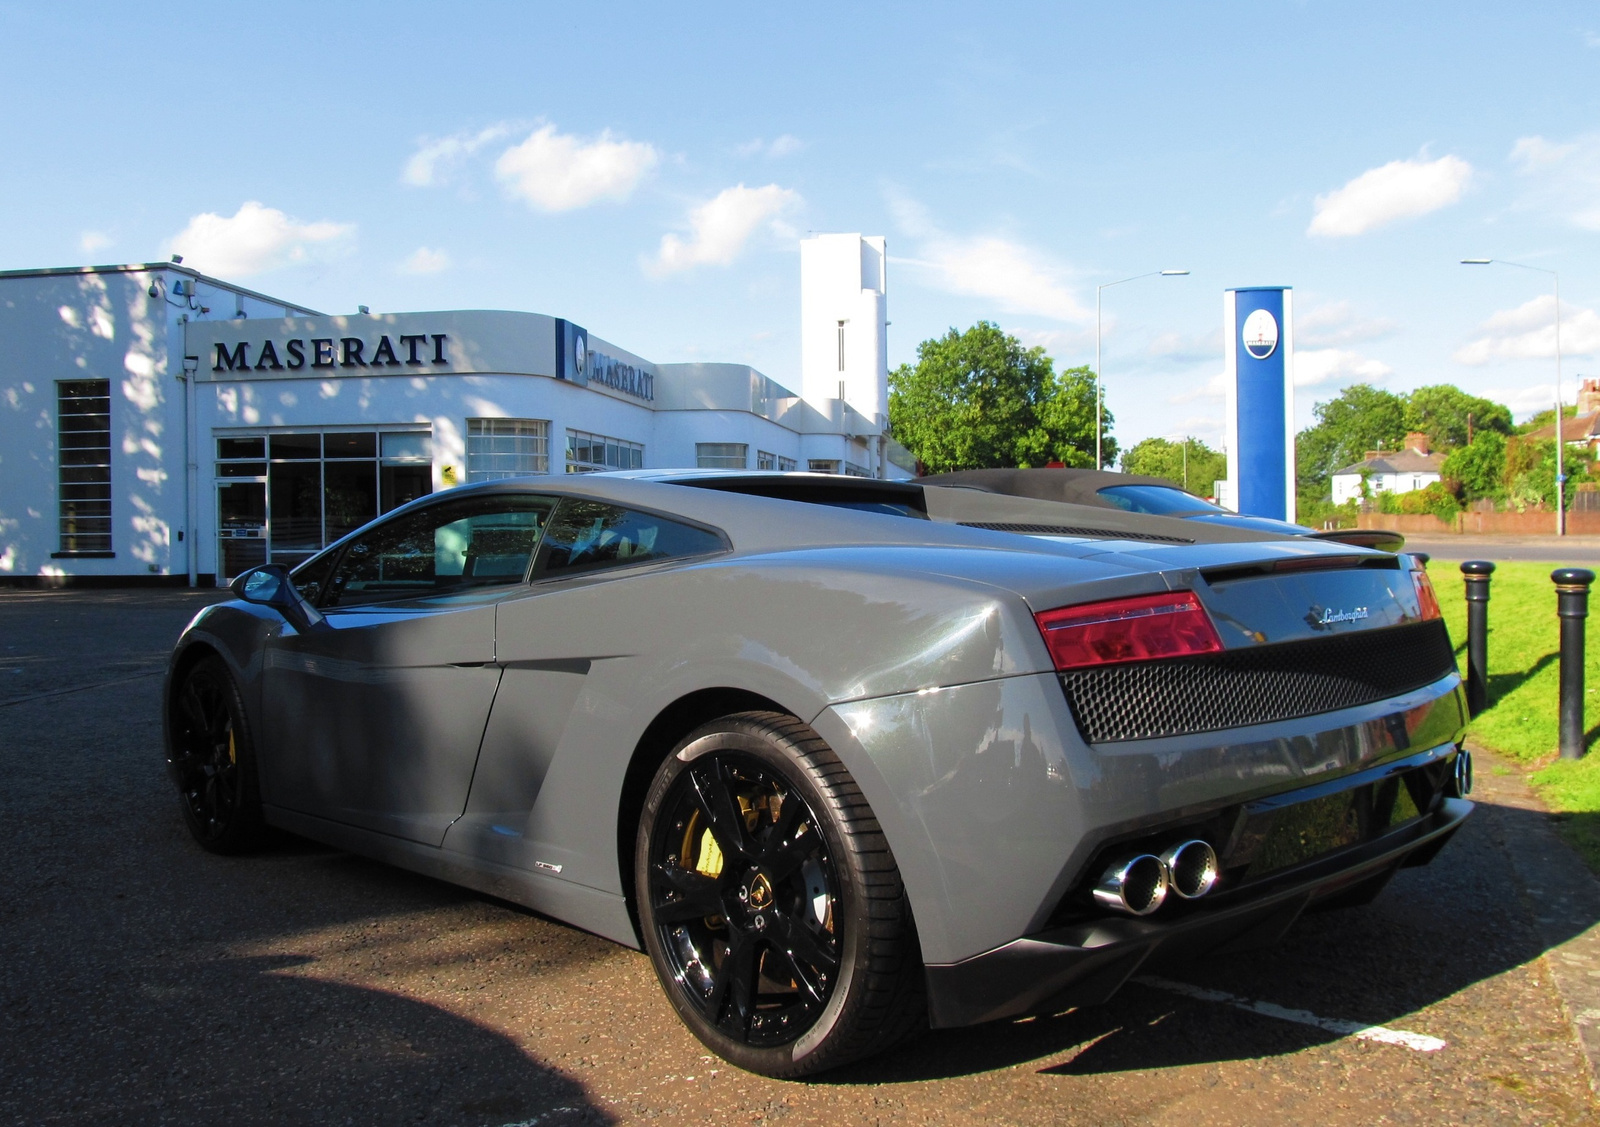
{"x":1434,"y":932}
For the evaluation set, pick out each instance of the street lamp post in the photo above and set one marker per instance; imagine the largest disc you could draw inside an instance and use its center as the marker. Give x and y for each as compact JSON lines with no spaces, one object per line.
{"x":1099,"y":390}
{"x":1561,"y":474}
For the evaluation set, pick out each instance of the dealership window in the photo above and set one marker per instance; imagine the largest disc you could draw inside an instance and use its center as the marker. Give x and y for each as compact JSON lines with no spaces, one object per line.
{"x":823,"y":465}
{"x":766,"y":460}
{"x":851,"y":469}
{"x":592,"y":453}
{"x":787,"y":465}
{"x":282,"y":497}
{"x":83,"y":470}
{"x":721,"y":455}
{"x":500,"y":448}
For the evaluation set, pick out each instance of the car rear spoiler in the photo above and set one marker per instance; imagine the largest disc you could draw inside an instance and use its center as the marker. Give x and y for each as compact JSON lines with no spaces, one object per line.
{"x":1380,"y":538}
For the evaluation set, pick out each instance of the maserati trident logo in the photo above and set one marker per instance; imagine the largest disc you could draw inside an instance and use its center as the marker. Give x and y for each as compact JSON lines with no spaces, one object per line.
{"x":1330,"y":616}
{"x":1260,"y":334}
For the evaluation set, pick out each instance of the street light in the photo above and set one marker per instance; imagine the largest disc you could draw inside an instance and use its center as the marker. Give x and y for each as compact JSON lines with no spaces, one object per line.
{"x":1099,"y":391}
{"x":1561,"y":476}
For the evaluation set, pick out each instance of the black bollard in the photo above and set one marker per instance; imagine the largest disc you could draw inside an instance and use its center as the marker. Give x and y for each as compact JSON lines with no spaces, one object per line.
{"x":1572,"y":606}
{"x":1477,"y":573}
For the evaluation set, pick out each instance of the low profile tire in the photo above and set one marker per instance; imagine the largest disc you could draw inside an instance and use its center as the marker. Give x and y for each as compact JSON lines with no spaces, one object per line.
{"x":213,"y":760}
{"x":770,"y":902}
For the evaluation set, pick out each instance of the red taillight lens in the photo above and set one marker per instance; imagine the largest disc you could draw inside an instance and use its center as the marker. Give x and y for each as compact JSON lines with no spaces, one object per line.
{"x":1426,"y":596}
{"x":1136,"y":629}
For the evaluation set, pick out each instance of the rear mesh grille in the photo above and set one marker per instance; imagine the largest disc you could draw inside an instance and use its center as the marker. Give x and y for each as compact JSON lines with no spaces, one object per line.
{"x":1147,"y":699}
{"x":1073,"y":530}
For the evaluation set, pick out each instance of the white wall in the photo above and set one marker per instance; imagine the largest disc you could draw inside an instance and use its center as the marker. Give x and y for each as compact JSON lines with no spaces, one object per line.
{"x":88,"y":326}
{"x":845,"y":278}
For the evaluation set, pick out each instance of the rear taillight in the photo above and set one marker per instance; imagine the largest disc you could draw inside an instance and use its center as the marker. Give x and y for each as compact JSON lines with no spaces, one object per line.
{"x":1426,"y":598}
{"x":1138,"y":629}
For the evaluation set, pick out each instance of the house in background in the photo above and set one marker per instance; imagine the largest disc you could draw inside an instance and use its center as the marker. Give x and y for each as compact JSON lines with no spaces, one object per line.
{"x":1402,"y":471}
{"x":1582,"y":429}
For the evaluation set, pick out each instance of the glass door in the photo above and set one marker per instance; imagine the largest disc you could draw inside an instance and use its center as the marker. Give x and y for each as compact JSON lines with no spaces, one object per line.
{"x":241,"y":527}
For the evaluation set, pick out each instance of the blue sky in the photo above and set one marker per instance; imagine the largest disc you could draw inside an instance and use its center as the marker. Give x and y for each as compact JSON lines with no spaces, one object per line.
{"x":647,"y":172}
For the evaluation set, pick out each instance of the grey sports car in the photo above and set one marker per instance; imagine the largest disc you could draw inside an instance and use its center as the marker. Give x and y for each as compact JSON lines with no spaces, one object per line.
{"x":847,"y":758}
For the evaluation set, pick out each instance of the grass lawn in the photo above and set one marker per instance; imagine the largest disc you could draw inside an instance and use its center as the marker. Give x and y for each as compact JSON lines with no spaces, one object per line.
{"x":1521,"y":722}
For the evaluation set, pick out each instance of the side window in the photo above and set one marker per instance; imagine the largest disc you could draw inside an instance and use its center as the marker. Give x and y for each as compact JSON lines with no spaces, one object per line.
{"x":589,"y":535}
{"x":311,"y":577}
{"x":441,"y":549}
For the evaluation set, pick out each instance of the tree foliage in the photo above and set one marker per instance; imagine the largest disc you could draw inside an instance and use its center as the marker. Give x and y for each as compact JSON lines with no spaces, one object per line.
{"x":1440,"y":411}
{"x":1160,"y":457}
{"x":980,"y":400}
{"x":1358,"y":419}
{"x":1478,"y":471}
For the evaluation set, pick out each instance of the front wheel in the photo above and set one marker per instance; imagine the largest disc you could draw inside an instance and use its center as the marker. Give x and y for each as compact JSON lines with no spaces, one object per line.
{"x":213,"y":760}
{"x":770,"y":902}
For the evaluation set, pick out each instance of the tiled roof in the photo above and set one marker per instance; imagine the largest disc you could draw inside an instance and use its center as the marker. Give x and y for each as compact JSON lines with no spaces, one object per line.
{"x":1579,"y":428}
{"x":1402,"y":461}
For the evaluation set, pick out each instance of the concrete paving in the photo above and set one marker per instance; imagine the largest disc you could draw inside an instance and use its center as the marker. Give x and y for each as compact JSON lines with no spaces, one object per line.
{"x":145,"y":981}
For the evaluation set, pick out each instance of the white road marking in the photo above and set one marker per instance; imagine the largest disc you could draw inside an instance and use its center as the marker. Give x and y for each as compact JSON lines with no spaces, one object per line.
{"x":1417,"y":1041}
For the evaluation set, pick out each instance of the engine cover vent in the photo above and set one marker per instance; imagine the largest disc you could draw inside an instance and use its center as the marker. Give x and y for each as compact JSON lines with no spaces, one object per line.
{"x":1258,"y":685}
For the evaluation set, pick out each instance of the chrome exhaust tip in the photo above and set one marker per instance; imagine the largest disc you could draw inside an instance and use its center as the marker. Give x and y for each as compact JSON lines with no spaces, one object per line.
{"x":1136,"y":885}
{"x":1461,"y":775}
{"x":1192,"y":869}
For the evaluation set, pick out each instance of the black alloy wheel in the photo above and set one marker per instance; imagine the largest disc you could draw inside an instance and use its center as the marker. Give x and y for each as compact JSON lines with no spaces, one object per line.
{"x":213,"y":760}
{"x":770,"y":902}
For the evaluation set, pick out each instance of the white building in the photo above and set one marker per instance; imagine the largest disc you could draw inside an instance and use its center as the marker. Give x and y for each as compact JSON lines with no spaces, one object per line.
{"x":160,"y":425}
{"x":1402,"y":471}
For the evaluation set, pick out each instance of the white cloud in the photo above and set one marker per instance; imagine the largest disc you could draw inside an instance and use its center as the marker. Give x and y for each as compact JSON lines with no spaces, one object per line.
{"x":1528,"y":332}
{"x":1187,"y":348}
{"x":1563,"y":178}
{"x":1400,"y":189}
{"x":558,"y":171}
{"x":1333,"y":323}
{"x":780,"y":146}
{"x":425,"y":260}
{"x":91,"y":241}
{"x":253,"y":240}
{"x":431,"y":164}
{"x":1213,"y":388}
{"x":720,"y":227}
{"x":1017,"y":278}
{"x":1314,"y":367}
{"x":1528,"y":399}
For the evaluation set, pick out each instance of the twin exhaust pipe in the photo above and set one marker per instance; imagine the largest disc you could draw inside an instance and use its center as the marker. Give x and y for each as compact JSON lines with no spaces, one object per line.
{"x":1138,"y":885}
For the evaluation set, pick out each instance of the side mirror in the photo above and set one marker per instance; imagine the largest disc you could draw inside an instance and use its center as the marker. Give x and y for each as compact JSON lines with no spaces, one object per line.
{"x":269,"y":586}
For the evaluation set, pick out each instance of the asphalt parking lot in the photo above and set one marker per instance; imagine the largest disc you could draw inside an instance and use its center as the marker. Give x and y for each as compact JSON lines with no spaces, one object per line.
{"x":144,"y":981}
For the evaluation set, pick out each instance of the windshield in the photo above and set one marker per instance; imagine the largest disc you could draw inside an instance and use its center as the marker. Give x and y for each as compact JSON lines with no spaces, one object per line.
{"x":1160,"y":500}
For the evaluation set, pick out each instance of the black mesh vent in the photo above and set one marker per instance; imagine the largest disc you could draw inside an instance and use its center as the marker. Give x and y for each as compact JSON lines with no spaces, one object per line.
{"x":1073,"y":530}
{"x":1146,"y":699}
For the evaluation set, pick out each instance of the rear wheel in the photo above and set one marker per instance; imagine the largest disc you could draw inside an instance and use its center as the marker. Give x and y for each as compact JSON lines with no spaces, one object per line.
{"x":770,"y":902}
{"x":213,"y":759}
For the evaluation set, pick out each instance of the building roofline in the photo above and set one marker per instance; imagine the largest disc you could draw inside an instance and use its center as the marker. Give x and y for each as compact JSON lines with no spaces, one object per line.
{"x":143,"y":267}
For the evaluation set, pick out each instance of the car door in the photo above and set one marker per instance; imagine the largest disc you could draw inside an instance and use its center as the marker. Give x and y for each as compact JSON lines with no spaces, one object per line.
{"x":374,"y":717}
{"x":551,"y":636}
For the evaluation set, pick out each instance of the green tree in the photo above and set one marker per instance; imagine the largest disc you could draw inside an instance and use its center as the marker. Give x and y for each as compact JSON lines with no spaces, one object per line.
{"x":1440,"y":411}
{"x":980,"y":400}
{"x":1160,"y":457}
{"x":1530,"y":474}
{"x":1479,"y":470}
{"x":1358,"y":419}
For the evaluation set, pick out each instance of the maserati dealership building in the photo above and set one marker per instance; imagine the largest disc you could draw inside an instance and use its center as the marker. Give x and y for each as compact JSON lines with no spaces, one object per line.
{"x":160,"y":425}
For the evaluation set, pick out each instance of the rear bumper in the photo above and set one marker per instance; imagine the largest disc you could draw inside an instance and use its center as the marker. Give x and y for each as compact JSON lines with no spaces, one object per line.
{"x":1086,"y":963}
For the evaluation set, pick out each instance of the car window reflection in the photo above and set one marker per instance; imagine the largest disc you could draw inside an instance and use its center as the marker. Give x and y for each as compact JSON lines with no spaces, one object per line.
{"x":440,"y":549}
{"x":590,"y":535}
